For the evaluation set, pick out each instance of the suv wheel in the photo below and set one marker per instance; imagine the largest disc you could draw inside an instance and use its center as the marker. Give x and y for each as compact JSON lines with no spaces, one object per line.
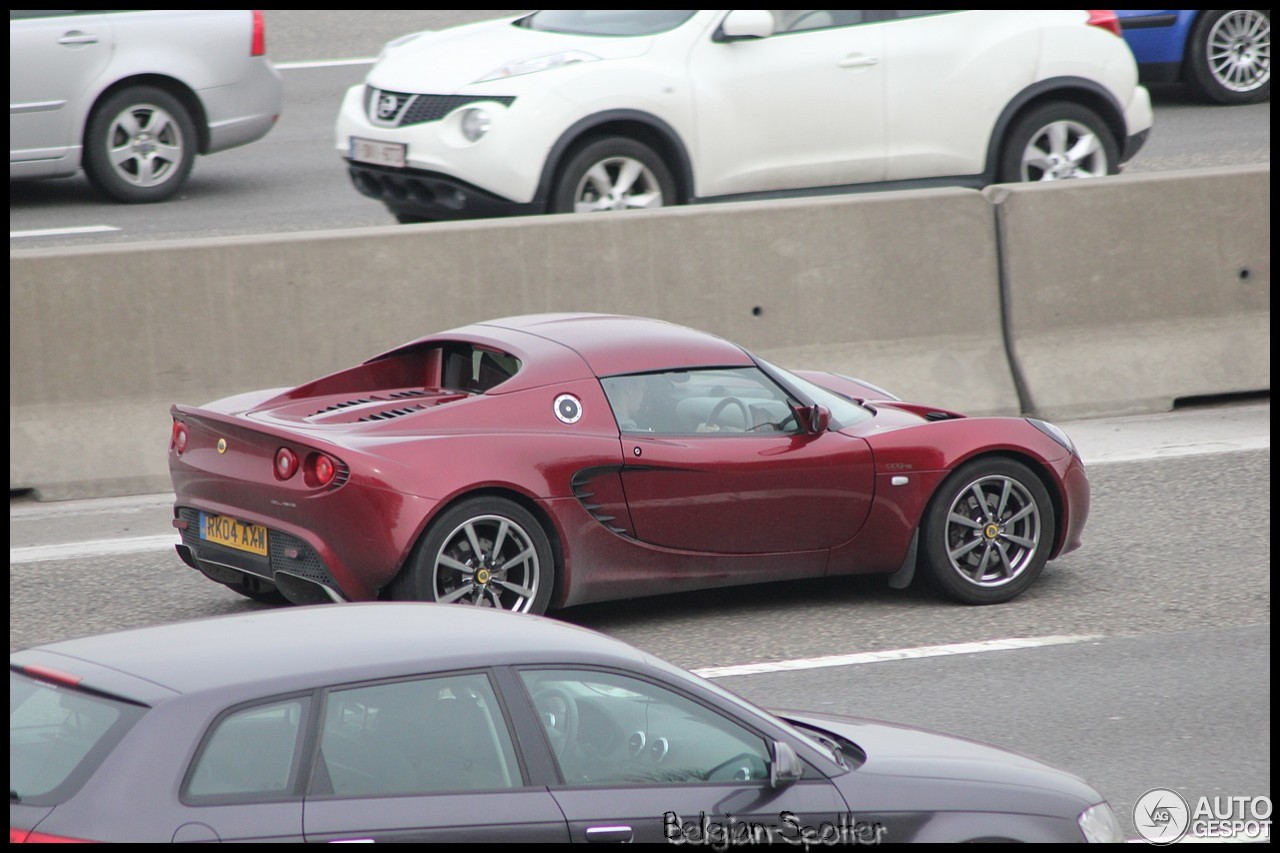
{"x":614,"y":173}
{"x":1057,"y":141}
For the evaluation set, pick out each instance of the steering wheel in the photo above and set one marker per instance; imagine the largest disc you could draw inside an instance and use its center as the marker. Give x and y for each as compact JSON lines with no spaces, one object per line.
{"x":559,"y":715}
{"x":726,"y":403}
{"x":740,"y":768}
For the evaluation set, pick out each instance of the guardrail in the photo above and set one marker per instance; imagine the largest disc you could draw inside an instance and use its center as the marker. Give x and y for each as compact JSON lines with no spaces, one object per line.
{"x":1074,"y":299}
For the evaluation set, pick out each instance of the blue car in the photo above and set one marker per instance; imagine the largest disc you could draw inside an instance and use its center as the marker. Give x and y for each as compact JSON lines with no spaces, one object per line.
{"x":1223,"y":54}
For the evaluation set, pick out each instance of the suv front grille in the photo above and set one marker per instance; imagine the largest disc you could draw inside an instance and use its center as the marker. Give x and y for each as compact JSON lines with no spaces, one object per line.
{"x":400,"y":109}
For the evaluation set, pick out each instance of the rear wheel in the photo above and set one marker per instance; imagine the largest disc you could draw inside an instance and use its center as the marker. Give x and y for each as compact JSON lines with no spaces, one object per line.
{"x":139,"y":145}
{"x":988,"y":531}
{"x":1229,"y":56}
{"x":487,"y":552}
{"x":615,"y":173}
{"x":1058,"y":141}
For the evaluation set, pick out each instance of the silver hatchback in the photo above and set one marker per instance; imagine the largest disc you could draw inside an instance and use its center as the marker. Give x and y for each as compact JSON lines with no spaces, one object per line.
{"x":131,"y":97}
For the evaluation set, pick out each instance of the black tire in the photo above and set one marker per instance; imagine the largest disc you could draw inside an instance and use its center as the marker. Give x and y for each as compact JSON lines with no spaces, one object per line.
{"x":614,"y":173}
{"x":1229,"y":56}
{"x":1056,"y":141}
{"x":444,"y":566}
{"x":991,"y":550}
{"x":258,"y":590}
{"x":139,"y":145}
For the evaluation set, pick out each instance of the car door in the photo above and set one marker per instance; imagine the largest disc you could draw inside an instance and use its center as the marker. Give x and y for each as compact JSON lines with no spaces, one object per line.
{"x":54,"y":57}
{"x":641,"y":761}
{"x":428,"y":759}
{"x":803,"y":107}
{"x":717,"y":463}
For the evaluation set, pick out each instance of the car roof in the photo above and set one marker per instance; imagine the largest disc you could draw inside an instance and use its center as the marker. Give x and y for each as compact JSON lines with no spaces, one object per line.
{"x":612,"y":343}
{"x":297,"y":648}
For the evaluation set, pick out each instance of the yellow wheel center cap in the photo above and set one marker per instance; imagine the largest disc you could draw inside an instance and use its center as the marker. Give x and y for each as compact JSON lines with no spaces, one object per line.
{"x":482,"y":576}
{"x":991,"y":531}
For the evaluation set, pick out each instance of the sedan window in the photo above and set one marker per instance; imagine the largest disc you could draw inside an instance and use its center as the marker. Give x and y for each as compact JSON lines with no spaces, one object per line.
{"x":609,"y":729}
{"x":417,"y":737}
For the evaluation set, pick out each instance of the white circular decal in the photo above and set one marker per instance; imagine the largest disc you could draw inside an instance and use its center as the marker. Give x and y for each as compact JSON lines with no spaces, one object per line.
{"x":568,"y":409}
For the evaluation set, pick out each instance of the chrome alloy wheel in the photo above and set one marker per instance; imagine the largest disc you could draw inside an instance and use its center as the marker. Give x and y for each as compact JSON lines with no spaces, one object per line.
{"x":488,"y":561}
{"x":145,"y":145}
{"x":617,"y":183}
{"x":1064,"y":149}
{"x":993,"y":531}
{"x":1239,"y":50}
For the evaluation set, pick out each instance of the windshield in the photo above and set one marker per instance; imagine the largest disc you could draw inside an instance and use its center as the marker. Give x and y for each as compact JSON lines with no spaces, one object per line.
{"x":844,"y":412}
{"x":606,"y":22}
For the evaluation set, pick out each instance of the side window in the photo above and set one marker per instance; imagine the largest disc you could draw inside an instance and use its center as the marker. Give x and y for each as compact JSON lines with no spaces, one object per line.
{"x":801,"y":20}
{"x":252,"y":755}
{"x":612,"y":730}
{"x":417,"y":737}
{"x":739,"y":400}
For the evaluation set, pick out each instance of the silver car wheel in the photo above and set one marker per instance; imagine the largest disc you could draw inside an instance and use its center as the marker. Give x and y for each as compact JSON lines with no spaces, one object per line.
{"x":617,"y":183}
{"x":993,"y":531}
{"x":145,"y":145}
{"x":1064,"y":149}
{"x":1239,"y":50}
{"x":488,"y":561}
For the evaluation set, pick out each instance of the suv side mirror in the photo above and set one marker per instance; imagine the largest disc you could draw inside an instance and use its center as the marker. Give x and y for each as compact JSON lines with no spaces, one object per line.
{"x":741,"y":24}
{"x":813,"y":419}
{"x":786,"y":767}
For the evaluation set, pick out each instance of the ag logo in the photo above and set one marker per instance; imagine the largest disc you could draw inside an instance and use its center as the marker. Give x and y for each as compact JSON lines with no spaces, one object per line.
{"x":568,"y":409}
{"x":387,"y":105}
{"x":1161,"y":816}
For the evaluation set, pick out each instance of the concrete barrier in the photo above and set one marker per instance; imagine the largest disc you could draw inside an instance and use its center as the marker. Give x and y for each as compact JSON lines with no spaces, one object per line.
{"x":1126,"y":294}
{"x":895,"y":288}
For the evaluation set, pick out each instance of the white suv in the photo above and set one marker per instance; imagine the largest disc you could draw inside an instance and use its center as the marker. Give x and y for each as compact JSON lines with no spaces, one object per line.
{"x":587,"y":110}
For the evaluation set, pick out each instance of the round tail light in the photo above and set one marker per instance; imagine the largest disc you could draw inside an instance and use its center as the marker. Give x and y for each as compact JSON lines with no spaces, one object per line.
{"x":323,"y":469}
{"x":178,"y":441}
{"x":286,"y":463}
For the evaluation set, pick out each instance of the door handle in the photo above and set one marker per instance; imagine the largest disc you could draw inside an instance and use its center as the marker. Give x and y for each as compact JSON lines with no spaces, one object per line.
{"x":607,"y":834}
{"x":78,"y":37}
{"x":858,"y":60}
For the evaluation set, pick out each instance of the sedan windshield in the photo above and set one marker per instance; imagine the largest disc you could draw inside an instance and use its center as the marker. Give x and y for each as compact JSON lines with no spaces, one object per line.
{"x":606,"y":22}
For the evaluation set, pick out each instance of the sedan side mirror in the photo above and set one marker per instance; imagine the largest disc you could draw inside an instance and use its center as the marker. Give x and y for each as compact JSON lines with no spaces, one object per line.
{"x":786,"y":767}
{"x":743,"y":24}
{"x":813,"y":419}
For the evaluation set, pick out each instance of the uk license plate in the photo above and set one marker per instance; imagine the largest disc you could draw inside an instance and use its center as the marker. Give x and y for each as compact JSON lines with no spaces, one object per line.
{"x":240,"y":535}
{"x":377,"y":153}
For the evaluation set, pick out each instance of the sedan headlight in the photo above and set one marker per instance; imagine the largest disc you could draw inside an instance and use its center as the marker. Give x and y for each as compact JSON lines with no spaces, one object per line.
{"x":1100,"y":825}
{"x":539,"y":63}
{"x":1056,"y":434}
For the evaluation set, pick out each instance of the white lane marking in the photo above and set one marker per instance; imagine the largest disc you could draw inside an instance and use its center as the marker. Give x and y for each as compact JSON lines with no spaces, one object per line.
{"x":57,"y":232}
{"x":893,"y":654}
{"x":93,"y":548}
{"x":326,"y":63}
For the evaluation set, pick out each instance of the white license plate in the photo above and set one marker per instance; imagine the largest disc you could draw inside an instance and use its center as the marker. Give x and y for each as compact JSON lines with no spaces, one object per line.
{"x":377,"y":153}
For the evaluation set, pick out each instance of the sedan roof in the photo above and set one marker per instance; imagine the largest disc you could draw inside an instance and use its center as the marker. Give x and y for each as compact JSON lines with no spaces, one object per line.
{"x":300,"y":647}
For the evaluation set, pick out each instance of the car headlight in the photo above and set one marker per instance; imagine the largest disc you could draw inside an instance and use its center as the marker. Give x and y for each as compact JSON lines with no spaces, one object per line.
{"x":1056,"y":434}
{"x":539,"y":63}
{"x":1100,"y":825}
{"x":475,"y":123}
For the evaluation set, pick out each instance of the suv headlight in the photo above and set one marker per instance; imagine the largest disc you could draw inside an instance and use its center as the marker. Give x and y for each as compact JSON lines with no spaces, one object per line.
{"x":1100,"y":825}
{"x":539,"y":63}
{"x":475,"y":123}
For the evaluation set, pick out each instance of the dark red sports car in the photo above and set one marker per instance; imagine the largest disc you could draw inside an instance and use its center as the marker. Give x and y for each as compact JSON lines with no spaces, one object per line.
{"x":552,"y":460}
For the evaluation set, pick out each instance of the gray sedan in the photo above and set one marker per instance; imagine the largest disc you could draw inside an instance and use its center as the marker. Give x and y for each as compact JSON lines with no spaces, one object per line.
{"x":425,"y":722}
{"x":132,"y":96}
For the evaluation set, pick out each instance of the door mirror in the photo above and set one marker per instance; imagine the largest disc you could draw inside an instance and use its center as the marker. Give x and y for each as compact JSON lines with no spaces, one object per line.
{"x":741,"y":24}
{"x":813,"y":419}
{"x":786,"y":767}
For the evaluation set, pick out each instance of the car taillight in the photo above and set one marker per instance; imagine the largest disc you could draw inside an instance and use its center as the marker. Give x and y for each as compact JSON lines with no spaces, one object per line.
{"x":321,"y":469}
{"x":286,"y":463}
{"x":57,"y":676}
{"x":178,"y":441}
{"x":258,"y":47}
{"x":1105,"y":19}
{"x":26,"y":836}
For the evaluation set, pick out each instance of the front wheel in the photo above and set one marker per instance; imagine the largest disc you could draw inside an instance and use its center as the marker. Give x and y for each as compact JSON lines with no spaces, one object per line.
{"x":1058,"y":141}
{"x":1229,"y":56}
{"x":987,"y":533}
{"x":139,"y":145}
{"x":615,"y":173}
{"x":487,"y":552}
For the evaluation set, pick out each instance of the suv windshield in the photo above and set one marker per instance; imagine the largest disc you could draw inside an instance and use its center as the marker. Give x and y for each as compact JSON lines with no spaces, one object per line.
{"x":58,"y":736}
{"x":606,"y":22}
